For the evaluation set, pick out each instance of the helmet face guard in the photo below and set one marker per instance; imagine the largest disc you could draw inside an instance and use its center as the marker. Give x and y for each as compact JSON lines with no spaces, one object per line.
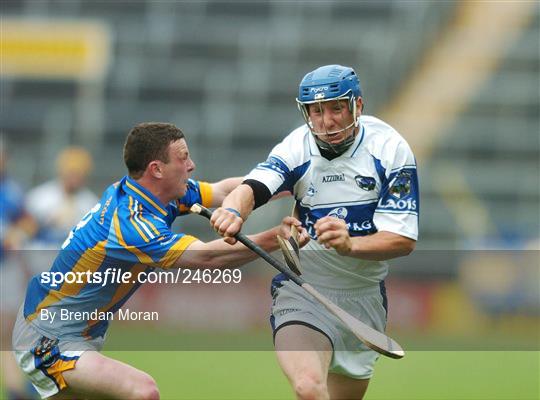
{"x":330,"y":83}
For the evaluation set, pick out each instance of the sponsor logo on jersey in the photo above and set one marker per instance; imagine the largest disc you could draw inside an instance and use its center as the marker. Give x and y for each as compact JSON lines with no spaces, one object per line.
{"x":355,"y":226}
{"x":401,"y":187}
{"x":366,"y":183}
{"x":333,"y":178}
{"x":340,"y":212}
{"x":391,"y":204}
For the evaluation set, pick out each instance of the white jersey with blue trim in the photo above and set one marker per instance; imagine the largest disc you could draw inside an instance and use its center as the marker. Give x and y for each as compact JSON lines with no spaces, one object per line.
{"x":373,"y":186}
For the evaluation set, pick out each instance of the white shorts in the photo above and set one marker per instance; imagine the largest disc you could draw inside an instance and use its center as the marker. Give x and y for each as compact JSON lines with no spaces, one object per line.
{"x":44,"y":359}
{"x":293,"y":305}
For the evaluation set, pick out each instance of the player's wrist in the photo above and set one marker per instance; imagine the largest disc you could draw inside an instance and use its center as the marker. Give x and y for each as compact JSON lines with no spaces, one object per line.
{"x":234,"y":211}
{"x":350,"y":249}
{"x":267,"y":239}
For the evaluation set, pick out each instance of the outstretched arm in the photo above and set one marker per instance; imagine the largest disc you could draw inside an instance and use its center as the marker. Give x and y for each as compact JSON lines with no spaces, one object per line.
{"x":221,"y":189}
{"x":219,"y":254}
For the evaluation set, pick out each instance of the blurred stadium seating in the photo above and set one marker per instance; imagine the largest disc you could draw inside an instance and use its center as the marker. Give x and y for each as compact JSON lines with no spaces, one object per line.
{"x":226,"y":72}
{"x":493,"y":147}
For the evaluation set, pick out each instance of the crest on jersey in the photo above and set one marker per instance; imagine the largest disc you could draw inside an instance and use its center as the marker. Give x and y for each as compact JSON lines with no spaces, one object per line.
{"x":401,"y":187}
{"x":311,"y":190}
{"x":340,"y":212}
{"x":366,"y":183}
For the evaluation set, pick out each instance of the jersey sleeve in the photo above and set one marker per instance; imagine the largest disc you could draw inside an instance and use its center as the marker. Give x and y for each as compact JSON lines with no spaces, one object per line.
{"x":138,"y":236}
{"x":399,"y":205}
{"x":197,"y":192}
{"x":283,"y":167}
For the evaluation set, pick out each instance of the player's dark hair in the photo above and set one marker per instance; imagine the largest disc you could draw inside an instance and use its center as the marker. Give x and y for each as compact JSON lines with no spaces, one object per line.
{"x":147,"y":142}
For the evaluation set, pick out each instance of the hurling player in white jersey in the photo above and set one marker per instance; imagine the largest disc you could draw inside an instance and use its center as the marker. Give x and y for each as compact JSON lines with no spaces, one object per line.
{"x":356,"y":189}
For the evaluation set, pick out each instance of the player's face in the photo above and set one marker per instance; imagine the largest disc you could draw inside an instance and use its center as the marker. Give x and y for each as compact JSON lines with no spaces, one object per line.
{"x":177,"y":171}
{"x":329,"y":119}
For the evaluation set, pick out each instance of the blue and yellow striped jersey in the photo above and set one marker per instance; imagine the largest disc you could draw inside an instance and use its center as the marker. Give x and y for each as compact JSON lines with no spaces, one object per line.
{"x":128,"y":230}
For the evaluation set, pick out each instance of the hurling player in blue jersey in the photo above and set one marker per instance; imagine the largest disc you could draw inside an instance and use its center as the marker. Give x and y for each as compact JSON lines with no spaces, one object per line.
{"x":128,"y":229}
{"x":355,"y":184}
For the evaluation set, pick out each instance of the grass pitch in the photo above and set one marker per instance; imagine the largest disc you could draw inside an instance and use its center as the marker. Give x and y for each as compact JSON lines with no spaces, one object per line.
{"x":420,"y":375}
{"x":433,"y":375}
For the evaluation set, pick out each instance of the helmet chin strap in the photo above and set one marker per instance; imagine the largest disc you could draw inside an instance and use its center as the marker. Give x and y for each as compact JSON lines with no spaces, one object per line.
{"x":338,"y":148}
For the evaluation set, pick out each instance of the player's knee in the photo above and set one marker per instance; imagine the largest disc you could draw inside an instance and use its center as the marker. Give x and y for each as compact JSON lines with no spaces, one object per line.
{"x":310,"y":387}
{"x":146,"y":389}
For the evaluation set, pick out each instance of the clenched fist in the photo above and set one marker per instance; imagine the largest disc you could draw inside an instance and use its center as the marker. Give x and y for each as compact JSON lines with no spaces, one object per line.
{"x":333,"y":233}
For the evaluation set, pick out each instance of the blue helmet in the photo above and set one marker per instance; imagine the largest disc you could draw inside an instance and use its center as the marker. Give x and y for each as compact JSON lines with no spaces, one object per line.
{"x":330,"y":82}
